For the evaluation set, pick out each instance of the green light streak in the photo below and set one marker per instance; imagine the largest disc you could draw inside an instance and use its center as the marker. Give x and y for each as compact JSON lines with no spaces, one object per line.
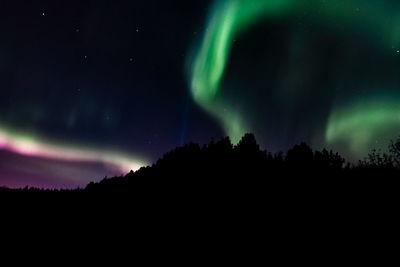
{"x":230,"y":18}
{"x":370,"y":122}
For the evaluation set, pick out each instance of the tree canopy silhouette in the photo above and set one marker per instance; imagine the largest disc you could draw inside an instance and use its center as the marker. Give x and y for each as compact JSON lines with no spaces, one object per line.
{"x":220,"y":165}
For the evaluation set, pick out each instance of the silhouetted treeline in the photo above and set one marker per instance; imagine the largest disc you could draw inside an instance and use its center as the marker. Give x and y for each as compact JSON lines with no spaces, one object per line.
{"x":222,"y":166}
{"x":235,"y":193}
{"x":222,"y":169}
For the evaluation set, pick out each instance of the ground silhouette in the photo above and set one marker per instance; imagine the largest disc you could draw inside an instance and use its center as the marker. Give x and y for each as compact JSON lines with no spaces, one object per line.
{"x":222,"y":170}
{"x":233,"y":198}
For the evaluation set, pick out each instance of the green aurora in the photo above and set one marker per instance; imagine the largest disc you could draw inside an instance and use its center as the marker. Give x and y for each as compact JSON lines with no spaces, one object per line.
{"x":368,"y":122}
{"x":356,"y":124}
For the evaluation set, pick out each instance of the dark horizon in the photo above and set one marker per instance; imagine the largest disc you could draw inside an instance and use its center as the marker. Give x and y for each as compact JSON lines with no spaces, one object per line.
{"x":220,"y":161}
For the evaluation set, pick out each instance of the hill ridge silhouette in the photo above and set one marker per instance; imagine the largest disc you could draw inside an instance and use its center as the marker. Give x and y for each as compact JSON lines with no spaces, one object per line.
{"x":220,"y":164}
{"x":238,"y":195}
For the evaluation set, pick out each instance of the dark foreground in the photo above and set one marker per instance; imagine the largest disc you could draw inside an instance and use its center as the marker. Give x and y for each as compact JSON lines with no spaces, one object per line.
{"x":223,"y":204}
{"x":242,"y":176}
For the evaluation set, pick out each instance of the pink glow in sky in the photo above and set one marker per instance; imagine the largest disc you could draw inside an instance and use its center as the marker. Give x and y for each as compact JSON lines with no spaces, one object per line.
{"x":66,"y":165}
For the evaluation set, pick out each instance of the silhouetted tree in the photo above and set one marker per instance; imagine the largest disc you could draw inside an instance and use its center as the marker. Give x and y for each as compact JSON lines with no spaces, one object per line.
{"x":378,"y":159}
{"x":247,"y":145}
{"x":394,"y":149}
{"x":328,"y":160}
{"x":300,"y":157}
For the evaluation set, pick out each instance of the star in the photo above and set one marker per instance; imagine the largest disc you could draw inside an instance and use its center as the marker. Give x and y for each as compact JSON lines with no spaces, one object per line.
{"x":137,"y":30}
{"x":43,"y":14}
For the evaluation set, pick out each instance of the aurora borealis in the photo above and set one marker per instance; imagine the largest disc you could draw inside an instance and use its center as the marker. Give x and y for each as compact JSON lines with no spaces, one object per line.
{"x":96,"y":88}
{"x":34,"y":147}
{"x":369,"y":122}
{"x":232,"y":17}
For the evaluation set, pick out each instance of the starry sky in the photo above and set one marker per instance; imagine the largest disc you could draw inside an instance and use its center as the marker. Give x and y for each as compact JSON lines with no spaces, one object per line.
{"x":90,"y":89}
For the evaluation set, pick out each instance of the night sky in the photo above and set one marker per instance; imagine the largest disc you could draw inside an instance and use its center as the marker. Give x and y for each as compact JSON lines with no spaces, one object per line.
{"x":90,"y":89}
